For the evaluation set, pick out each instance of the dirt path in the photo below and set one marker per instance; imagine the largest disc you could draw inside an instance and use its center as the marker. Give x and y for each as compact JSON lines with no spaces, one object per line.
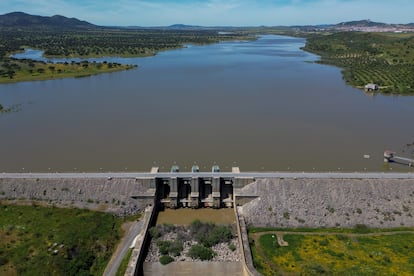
{"x":254,"y":235}
{"x":131,"y":229}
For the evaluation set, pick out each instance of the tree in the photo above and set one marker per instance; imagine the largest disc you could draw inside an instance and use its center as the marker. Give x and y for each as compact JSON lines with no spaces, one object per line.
{"x":11,"y":73}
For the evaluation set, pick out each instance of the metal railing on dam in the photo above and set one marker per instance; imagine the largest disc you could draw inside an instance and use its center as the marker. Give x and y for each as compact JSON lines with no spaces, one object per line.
{"x":253,"y":175}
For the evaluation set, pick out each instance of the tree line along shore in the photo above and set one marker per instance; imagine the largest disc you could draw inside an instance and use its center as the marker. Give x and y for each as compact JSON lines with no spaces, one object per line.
{"x":385,"y":59}
{"x":86,"y":44}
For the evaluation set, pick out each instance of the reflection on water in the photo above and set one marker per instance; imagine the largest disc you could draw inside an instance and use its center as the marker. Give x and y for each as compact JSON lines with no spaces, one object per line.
{"x":260,"y":105}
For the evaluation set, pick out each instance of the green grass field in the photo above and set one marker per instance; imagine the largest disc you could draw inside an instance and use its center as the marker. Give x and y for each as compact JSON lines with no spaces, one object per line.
{"x":389,"y":253}
{"x":52,"y":241}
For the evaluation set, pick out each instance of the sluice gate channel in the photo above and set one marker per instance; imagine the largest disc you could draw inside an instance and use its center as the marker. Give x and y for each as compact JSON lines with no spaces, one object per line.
{"x":197,"y":190}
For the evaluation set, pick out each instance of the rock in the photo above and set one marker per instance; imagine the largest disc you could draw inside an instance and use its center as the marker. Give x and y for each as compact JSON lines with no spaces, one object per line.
{"x":113,"y":196}
{"x":329,"y":202}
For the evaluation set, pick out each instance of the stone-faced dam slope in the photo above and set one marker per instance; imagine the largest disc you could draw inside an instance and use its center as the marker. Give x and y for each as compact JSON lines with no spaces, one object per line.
{"x":117,"y":195}
{"x":277,"y":200}
{"x":304,"y":202}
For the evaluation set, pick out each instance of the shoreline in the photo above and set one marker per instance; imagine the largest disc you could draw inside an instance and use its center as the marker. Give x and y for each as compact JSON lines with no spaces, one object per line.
{"x":64,"y":76}
{"x":87,"y":74}
{"x":352,"y":68}
{"x":40,"y":71}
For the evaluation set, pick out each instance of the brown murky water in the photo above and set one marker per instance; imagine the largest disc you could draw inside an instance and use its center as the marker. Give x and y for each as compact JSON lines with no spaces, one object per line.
{"x":185,"y":216}
{"x":260,"y":105}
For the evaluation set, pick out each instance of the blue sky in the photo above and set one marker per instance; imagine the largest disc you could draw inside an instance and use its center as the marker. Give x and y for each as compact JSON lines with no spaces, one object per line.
{"x":218,"y":12}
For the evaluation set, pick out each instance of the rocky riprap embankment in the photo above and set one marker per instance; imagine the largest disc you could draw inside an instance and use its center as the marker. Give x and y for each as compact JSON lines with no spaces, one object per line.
{"x":112,"y":195}
{"x":330,"y":202}
{"x":222,"y":250}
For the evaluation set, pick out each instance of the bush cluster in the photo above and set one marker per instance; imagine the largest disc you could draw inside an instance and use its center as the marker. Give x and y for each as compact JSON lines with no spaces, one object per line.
{"x":166,"y":259}
{"x":361,"y":229}
{"x":206,"y":234}
{"x":209,"y":234}
{"x":170,"y":247}
{"x":201,"y":252}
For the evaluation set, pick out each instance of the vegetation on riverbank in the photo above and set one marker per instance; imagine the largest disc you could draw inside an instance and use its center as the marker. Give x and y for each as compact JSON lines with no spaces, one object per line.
{"x":321,"y":252}
{"x":13,"y":70}
{"x":99,"y":42}
{"x":8,"y":109}
{"x":37,"y":240}
{"x":106,"y":41}
{"x":386,"y":59}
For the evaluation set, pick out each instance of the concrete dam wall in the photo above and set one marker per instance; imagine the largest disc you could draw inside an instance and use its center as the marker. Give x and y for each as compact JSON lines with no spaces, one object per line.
{"x":119,"y":195}
{"x":292,"y":202}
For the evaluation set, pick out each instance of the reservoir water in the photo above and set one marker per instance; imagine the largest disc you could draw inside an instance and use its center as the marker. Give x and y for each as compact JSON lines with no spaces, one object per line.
{"x":260,"y":105}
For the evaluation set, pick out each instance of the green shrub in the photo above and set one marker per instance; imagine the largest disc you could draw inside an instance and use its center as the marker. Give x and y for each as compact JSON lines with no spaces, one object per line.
{"x":163,"y":247}
{"x":166,"y":259}
{"x":196,"y":226}
{"x":317,"y":268}
{"x":387,"y":259}
{"x":232,"y":247}
{"x":168,"y":228}
{"x":361,"y":228}
{"x":170,"y":247}
{"x":154,"y":232}
{"x":183,"y":236}
{"x":201,"y":252}
{"x":210,"y":234}
{"x":3,"y":260}
{"x":175,"y":248}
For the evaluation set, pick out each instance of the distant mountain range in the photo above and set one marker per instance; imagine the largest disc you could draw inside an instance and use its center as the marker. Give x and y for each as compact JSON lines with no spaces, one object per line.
{"x":24,"y":20}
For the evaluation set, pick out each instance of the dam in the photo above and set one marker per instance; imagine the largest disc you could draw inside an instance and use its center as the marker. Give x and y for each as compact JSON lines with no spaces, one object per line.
{"x":172,"y":189}
{"x":260,"y":199}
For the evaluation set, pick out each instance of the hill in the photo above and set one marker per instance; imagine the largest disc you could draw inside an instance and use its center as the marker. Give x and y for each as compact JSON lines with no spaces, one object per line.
{"x":24,"y":20}
{"x":361,"y":23}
